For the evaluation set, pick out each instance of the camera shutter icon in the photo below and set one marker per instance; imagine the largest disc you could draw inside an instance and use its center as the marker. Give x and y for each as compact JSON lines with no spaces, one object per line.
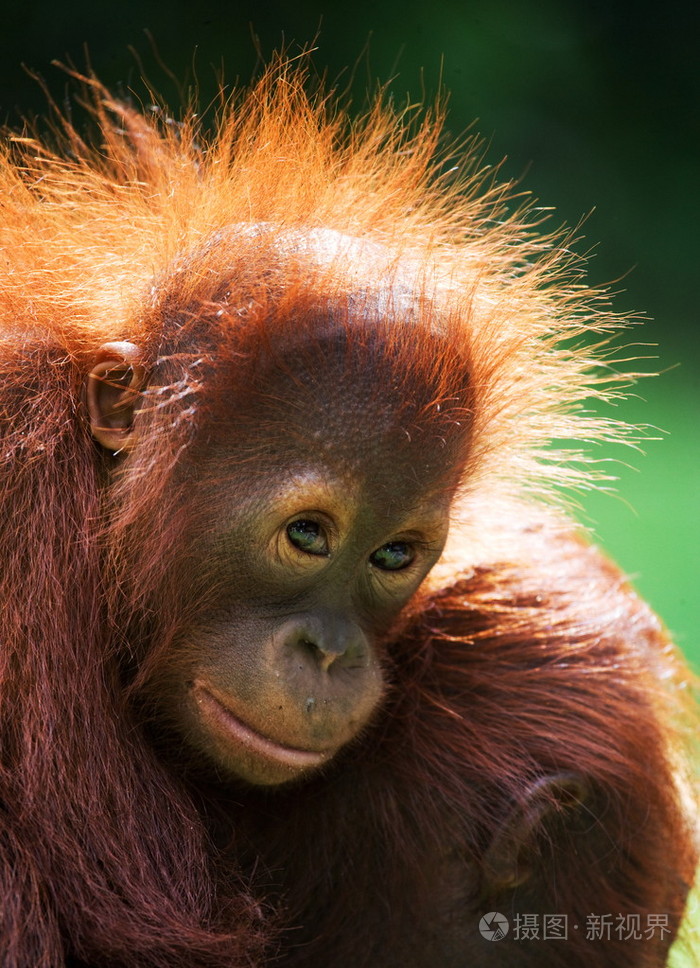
{"x":494,"y":926}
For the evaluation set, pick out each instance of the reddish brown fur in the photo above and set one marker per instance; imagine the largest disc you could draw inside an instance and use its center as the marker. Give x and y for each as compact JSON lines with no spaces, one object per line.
{"x":526,"y":655}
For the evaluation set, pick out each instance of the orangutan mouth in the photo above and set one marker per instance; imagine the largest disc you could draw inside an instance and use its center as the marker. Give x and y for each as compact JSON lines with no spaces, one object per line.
{"x":237,"y":733}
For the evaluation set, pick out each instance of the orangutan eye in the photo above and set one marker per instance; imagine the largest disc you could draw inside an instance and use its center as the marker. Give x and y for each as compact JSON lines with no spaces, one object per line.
{"x":393,"y":556}
{"x":308,"y":536}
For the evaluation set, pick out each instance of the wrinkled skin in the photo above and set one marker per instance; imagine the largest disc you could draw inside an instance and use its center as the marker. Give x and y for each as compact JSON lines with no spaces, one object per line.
{"x":290,"y":650}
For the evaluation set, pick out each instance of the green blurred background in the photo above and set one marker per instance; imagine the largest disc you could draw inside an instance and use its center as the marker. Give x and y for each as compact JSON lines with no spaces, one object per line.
{"x":593,"y":105}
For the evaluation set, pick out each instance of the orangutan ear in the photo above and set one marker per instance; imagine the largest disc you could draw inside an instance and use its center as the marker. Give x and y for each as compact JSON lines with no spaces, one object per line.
{"x":510,"y":859}
{"x":112,"y":393}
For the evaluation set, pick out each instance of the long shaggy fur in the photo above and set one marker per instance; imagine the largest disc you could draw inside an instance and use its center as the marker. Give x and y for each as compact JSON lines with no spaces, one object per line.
{"x":533,"y":659}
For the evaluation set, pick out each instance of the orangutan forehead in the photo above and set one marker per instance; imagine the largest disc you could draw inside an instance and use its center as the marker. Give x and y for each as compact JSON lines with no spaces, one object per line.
{"x":325,"y":386}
